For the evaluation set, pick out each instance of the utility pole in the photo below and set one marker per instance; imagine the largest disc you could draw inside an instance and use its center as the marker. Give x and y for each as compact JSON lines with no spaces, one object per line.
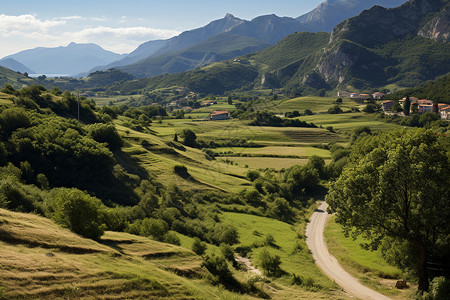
{"x":78,"y":106}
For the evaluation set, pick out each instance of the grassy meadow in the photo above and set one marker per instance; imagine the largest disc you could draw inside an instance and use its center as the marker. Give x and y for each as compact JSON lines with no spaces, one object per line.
{"x":368,"y":266}
{"x":42,"y":260}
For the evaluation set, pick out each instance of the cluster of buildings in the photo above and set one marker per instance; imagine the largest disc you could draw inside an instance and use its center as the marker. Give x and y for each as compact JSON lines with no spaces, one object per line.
{"x":374,"y":96}
{"x":420,"y":106}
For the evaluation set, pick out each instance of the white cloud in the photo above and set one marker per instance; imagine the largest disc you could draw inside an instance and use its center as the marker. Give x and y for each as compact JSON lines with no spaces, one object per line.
{"x":121,"y":33}
{"x":28,"y":31}
{"x":26,"y":23}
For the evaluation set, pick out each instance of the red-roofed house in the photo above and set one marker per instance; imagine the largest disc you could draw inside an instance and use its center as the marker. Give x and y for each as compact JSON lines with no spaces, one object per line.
{"x":378,"y":95}
{"x":445,"y":112}
{"x":219,"y":115}
{"x":388,"y":105}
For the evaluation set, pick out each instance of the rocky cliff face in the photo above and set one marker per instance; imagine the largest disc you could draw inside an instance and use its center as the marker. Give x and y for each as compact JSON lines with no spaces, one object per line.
{"x":438,"y":28}
{"x":331,"y":12}
{"x":350,"y":53}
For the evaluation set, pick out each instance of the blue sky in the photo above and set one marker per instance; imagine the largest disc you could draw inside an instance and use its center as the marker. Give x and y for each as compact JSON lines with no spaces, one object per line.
{"x":121,"y":25}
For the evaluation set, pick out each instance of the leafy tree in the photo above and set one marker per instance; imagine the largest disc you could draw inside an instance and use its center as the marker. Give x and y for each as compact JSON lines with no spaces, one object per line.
{"x":397,"y":185}
{"x":156,"y":228}
{"x":77,"y":211}
{"x":335,"y":110}
{"x":104,"y":133}
{"x":189,"y":138}
{"x":228,"y":253}
{"x":229,"y":236}
{"x":12,"y":119}
{"x":198,"y":246}
{"x":407,"y":106}
{"x":270,"y":263}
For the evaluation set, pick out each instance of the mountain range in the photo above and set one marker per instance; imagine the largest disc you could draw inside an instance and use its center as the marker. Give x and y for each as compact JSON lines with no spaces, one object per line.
{"x":193,"y":48}
{"x":405,"y":46}
{"x":13,"y":64}
{"x":70,"y":60}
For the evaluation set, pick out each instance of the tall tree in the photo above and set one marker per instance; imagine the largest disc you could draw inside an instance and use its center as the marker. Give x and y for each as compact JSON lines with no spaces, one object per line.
{"x":407,"y":106}
{"x":397,"y":184}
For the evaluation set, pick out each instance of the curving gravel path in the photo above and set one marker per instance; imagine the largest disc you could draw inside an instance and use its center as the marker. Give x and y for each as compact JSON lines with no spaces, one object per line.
{"x":328,"y":263}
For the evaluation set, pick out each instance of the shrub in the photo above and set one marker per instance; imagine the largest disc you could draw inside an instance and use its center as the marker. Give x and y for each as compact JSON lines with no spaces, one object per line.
{"x":181,"y":170}
{"x":172,"y":238}
{"x":270,"y":263}
{"x":198,"y":246}
{"x":335,"y":110}
{"x":77,"y":211}
{"x":189,"y":138}
{"x":252,"y":175}
{"x":218,"y":267}
{"x":156,"y":228}
{"x":440,"y":288}
{"x":104,"y":133}
{"x":229,"y":236}
{"x":228,"y":253}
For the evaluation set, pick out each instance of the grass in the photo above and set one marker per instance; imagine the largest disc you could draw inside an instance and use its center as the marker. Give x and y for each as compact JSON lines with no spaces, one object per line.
{"x":315,"y":104}
{"x":117,"y":100}
{"x":348,"y":122}
{"x":368,"y":266}
{"x":39,"y":261}
{"x":304,"y":151}
{"x":127,"y":266}
{"x":290,"y":245}
{"x":266,"y":162}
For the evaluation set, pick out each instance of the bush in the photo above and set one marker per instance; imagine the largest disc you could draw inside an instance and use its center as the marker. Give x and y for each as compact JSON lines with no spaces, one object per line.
{"x":181,"y":171}
{"x":218,"y":267}
{"x":253,"y":175}
{"x":198,"y":246}
{"x":104,"y":133}
{"x":172,"y":238}
{"x":440,"y":288}
{"x":228,"y":252}
{"x":77,"y":211}
{"x":189,"y":138}
{"x":335,"y":110}
{"x":156,"y":228}
{"x":270,"y":263}
{"x":229,"y":236}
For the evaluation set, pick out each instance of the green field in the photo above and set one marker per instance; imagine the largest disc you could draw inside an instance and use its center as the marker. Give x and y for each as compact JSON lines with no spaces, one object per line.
{"x":289,"y":245}
{"x":348,"y":122}
{"x":368,"y":266}
{"x":315,"y":104}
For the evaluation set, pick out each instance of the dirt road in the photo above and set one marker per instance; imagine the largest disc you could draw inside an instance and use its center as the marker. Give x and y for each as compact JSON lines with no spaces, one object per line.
{"x":328,"y":263}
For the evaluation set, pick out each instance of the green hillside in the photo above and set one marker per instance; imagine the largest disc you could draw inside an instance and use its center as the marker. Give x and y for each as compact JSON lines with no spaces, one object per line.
{"x":13,"y":78}
{"x":220,"y":47}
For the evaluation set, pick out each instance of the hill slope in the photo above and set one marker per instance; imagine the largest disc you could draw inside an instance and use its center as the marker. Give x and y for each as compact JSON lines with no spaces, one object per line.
{"x":404,"y":46}
{"x":200,"y":46}
{"x":40,"y":259}
{"x":332,"y":12}
{"x":73,"y":59}
{"x":8,"y":76}
{"x":14,"y":65}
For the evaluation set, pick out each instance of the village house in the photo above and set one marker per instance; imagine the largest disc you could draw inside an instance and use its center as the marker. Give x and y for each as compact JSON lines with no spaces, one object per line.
{"x":445,"y":112}
{"x":219,"y":115}
{"x":388,"y":105}
{"x":343,"y":94}
{"x":378,"y":95}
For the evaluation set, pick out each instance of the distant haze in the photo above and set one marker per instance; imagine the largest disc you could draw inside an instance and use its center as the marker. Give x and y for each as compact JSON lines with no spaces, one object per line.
{"x":120,"y":27}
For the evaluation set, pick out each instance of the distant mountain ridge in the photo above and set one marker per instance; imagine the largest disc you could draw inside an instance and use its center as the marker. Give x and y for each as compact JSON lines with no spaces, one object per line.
{"x":269,"y":29}
{"x":201,"y":46}
{"x":14,"y":65}
{"x":406,"y":46}
{"x":332,"y":12}
{"x":72,"y":59}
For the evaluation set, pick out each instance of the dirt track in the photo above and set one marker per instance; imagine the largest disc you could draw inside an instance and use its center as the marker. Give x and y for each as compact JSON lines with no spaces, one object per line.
{"x":328,"y":263}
